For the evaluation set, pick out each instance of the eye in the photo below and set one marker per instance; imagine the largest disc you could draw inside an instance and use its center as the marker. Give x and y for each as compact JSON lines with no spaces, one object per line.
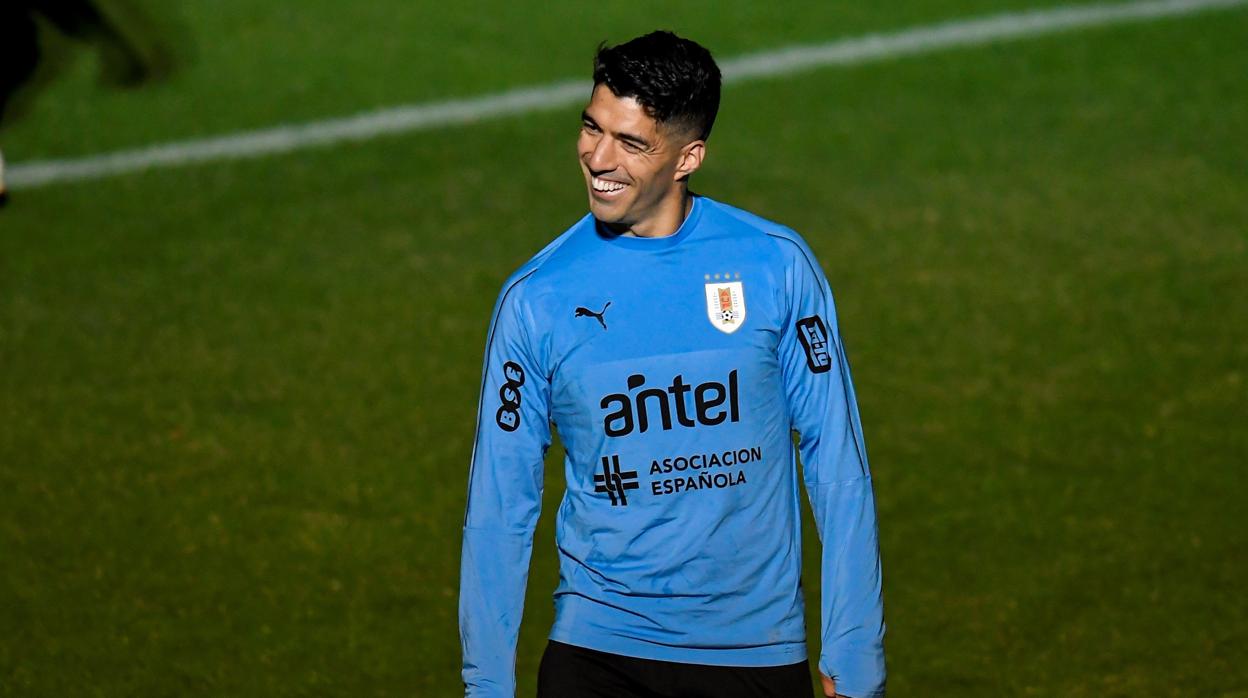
{"x":588,"y":127}
{"x":630,"y":146}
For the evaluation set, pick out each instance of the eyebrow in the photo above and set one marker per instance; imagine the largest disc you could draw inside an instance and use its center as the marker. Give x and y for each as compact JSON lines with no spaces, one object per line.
{"x":629,"y":137}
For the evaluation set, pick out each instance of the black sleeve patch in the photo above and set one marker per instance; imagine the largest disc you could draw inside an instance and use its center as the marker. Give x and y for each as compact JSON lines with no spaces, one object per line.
{"x":814,"y":336}
{"x":508,"y":415}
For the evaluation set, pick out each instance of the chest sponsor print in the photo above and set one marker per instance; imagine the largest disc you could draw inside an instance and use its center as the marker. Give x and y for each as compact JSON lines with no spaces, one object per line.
{"x":677,"y":474}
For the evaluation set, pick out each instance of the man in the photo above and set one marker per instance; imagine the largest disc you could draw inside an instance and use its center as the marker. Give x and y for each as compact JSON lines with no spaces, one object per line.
{"x":4,"y":192}
{"x":674,"y":342}
{"x":122,"y":63}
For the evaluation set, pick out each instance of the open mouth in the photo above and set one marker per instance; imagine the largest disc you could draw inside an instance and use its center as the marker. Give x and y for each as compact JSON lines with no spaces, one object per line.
{"x":606,"y":187}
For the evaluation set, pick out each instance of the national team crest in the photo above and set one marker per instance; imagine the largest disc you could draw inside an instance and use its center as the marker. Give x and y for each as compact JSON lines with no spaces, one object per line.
{"x":725,"y":305}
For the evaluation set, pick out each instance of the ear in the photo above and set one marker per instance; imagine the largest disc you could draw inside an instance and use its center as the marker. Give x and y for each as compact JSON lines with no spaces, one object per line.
{"x":691,"y":156}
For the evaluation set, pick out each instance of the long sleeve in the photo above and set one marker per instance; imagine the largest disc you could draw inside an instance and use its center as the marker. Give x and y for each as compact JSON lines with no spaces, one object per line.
{"x":824,"y":412}
{"x":504,"y":498}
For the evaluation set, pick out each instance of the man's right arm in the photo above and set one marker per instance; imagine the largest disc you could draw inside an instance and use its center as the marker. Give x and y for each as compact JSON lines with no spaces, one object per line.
{"x":504,"y":499}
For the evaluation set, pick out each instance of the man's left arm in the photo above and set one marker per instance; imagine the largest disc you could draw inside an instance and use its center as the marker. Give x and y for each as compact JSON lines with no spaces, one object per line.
{"x":824,"y":412}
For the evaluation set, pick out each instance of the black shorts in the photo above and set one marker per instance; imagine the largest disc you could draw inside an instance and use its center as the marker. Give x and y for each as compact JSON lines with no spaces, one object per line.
{"x":568,"y":671}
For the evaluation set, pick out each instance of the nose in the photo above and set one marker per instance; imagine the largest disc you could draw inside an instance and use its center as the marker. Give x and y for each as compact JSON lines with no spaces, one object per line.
{"x":601,"y":156}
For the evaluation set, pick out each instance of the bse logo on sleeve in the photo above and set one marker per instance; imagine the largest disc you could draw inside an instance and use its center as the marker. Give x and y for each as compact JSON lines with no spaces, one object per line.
{"x":508,"y":415}
{"x":814,"y":337}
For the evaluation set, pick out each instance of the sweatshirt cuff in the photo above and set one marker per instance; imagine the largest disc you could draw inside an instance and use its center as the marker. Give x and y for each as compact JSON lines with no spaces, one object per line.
{"x":857,"y":675}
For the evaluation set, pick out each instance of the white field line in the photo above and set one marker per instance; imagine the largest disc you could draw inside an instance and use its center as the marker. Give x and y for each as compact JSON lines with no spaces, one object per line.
{"x":552,"y":96}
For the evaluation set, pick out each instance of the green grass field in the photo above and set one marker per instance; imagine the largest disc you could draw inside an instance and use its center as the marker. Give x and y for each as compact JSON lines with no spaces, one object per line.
{"x":237,"y":399}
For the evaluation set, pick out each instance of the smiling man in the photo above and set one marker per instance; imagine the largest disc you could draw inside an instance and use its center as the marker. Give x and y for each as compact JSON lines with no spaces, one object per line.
{"x":675,"y":343}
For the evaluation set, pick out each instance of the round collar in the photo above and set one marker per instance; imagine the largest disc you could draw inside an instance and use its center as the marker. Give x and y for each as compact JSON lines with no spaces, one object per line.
{"x":656,"y":243}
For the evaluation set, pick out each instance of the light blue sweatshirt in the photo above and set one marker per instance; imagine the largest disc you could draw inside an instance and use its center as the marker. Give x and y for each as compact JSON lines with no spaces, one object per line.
{"x":675,"y":370}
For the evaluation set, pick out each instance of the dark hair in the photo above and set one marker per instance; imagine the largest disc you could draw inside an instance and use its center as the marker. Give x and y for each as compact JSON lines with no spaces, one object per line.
{"x":674,"y":79}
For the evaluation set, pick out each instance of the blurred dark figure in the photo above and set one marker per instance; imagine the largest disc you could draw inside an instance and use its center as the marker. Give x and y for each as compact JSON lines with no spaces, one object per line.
{"x":123,"y":63}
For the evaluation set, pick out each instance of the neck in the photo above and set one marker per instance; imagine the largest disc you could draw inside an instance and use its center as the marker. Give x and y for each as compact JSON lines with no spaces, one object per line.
{"x":667,"y":219}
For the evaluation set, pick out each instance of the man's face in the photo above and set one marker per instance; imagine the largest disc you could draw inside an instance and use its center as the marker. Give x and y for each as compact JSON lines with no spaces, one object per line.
{"x":632,"y":164}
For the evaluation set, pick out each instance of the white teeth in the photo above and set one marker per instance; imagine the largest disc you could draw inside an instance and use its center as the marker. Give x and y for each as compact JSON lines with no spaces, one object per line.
{"x":604,"y":186}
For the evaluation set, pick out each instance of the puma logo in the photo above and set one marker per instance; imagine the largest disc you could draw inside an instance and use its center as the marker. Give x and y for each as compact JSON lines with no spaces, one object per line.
{"x":582,"y":311}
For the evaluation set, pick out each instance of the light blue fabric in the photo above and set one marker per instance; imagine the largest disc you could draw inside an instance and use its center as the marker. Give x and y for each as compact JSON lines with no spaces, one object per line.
{"x":679,"y":534}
